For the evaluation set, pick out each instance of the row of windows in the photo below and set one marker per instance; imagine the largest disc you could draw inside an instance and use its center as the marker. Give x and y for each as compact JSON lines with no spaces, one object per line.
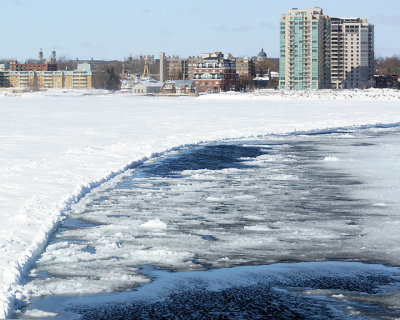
{"x":216,"y":65}
{"x":209,"y":76}
{"x":209,"y":89}
{"x":207,"y":83}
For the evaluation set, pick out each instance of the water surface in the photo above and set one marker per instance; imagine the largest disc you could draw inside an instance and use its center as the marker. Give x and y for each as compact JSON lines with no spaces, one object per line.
{"x":274,"y":199}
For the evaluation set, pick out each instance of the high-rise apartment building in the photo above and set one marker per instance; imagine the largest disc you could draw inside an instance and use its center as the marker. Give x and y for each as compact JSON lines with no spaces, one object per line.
{"x":352,"y":53}
{"x":320,"y":52}
{"x":304,"y":50}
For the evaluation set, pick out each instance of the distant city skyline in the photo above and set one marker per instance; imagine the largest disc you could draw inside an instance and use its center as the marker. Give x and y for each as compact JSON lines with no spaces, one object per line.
{"x":103,"y":29}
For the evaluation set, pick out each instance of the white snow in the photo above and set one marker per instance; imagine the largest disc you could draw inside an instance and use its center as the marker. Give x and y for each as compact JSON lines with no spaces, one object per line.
{"x":154,"y":225}
{"x":57,"y":146}
{"x":330,"y":158}
{"x":39,"y":314}
{"x":257,"y":228}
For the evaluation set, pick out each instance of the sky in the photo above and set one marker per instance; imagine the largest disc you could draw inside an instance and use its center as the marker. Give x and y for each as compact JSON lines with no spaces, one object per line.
{"x":114,"y":29}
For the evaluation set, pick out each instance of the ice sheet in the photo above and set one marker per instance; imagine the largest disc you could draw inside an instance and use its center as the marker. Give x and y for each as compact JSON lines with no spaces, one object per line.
{"x":57,"y":146}
{"x":240,"y":211}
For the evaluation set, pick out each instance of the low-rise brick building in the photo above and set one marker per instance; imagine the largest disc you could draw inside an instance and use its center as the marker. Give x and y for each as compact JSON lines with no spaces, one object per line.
{"x":245,"y":67}
{"x":181,"y":68}
{"x":214,"y":73}
{"x":37,"y":66}
{"x":38,"y":79}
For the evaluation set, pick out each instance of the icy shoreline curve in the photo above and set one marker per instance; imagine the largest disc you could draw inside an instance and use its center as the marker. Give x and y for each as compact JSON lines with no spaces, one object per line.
{"x":56,"y":147}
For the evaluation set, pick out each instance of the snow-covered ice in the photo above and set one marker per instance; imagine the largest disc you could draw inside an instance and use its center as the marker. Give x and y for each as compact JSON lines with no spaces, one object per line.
{"x":241,"y":208}
{"x":55,"y":147}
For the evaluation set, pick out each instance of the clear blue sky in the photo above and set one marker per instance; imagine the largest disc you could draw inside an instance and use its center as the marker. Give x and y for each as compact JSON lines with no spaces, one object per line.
{"x":112,"y":29}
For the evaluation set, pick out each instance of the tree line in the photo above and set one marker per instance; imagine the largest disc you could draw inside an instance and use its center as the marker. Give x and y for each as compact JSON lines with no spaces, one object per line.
{"x":387,"y":65}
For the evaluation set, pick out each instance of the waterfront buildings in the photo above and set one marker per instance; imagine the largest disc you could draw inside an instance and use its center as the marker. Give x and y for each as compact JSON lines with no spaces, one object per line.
{"x":214,"y":73}
{"x":182,"y":68}
{"x":81,"y":78}
{"x":352,"y":53}
{"x":177,"y":68}
{"x":321,"y":52}
{"x":245,"y":67}
{"x":304,"y":50}
{"x":211,"y":72}
{"x":178,"y":87}
{"x":192,"y":65}
{"x":147,"y":86}
{"x":35,"y":66}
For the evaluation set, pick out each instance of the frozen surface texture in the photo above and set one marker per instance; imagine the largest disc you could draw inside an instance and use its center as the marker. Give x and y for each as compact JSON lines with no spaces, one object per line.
{"x":55,"y":147}
{"x":232,"y":203}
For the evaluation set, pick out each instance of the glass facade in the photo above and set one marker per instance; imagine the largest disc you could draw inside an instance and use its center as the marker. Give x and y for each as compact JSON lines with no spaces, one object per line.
{"x":304,"y":50}
{"x":282,"y":50}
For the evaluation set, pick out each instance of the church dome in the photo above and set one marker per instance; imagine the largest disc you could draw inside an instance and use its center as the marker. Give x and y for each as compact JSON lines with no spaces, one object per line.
{"x":262,"y":55}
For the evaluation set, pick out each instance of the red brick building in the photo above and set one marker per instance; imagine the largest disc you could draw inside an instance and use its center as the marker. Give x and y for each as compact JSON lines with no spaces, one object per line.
{"x":181,"y":69}
{"x":177,"y":68}
{"x":245,"y":67}
{"x":15,"y":66}
{"x":214,"y":73}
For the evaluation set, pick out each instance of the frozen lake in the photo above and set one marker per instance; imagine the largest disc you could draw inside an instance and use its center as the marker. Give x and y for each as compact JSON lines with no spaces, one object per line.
{"x":272,"y":201}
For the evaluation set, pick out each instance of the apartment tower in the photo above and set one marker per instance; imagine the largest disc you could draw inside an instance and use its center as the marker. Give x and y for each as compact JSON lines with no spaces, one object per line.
{"x":321,"y":52}
{"x":352,"y":53}
{"x":304,"y":50}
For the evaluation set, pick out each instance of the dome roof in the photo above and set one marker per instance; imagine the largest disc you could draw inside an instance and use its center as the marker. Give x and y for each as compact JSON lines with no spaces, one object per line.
{"x":262,"y":53}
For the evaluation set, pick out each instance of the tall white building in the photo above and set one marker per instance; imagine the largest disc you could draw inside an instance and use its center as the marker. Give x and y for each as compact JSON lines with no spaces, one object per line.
{"x":320,"y":52}
{"x":352,"y":53}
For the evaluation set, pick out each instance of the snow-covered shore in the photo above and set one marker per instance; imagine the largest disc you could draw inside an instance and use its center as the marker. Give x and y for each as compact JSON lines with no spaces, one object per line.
{"x":56,"y":146}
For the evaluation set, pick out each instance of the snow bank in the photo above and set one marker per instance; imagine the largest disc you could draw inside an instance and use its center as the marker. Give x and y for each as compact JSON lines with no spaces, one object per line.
{"x":56,"y":146}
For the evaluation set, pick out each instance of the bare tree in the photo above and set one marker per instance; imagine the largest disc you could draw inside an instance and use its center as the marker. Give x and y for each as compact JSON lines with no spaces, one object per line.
{"x":65,"y":63}
{"x":271,"y":64}
{"x":386,"y":65}
{"x":246,"y":83}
